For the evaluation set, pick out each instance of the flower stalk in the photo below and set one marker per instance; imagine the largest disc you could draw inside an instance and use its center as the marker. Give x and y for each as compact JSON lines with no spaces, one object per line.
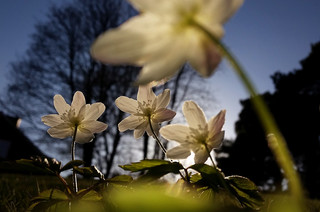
{"x":73,"y":151}
{"x":276,"y":141}
{"x":208,"y":151}
{"x":156,"y":137}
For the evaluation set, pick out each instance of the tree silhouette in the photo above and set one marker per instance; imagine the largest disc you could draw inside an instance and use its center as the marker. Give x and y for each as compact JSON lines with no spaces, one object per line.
{"x":295,"y":106}
{"x":58,"y":61}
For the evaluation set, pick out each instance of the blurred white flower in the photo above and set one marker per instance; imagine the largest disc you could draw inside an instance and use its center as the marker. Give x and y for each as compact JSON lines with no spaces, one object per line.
{"x":78,"y":115}
{"x":200,"y":136}
{"x":165,"y":35}
{"x":147,"y":108}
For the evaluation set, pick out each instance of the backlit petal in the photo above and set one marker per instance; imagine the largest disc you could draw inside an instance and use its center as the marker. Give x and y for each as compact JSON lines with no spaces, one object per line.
{"x":145,"y":93}
{"x":216,"y":141}
{"x":173,"y":56}
{"x":163,"y":99}
{"x":94,"y":111}
{"x":78,"y":101}
{"x":139,"y":131}
{"x":133,"y":42}
{"x":175,"y":132}
{"x":60,"y":104}
{"x":204,"y":56}
{"x":130,"y":123}
{"x":126,"y":104}
{"x":61,"y":131}
{"x":216,"y":123}
{"x":163,"y":7}
{"x":84,"y":136}
{"x":201,"y":155}
{"x":162,"y":115}
{"x":194,"y":115}
{"x":178,"y":152}
{"x":94,"y":126}
{"x":51,"y":120}
{"x":155,"y":127}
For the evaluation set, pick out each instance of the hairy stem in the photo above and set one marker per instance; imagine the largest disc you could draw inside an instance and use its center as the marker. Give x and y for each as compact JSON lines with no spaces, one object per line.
{"x":213,"y":163}
{"x":156,"y":137}
{"x":73,"y":151}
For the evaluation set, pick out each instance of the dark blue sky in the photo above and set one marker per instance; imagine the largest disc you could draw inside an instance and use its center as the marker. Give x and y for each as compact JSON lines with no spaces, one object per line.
{"x":265,"y":35}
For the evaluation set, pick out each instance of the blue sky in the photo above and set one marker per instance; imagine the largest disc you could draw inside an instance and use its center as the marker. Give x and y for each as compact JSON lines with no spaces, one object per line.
{"x":265,"y":35}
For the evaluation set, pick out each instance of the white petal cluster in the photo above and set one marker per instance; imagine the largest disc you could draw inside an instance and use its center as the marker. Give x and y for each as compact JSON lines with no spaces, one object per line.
{"x":78,"y":115}
{"x":199,"y":137}
{"x":166,"y":35}
{"x":148,"y":108}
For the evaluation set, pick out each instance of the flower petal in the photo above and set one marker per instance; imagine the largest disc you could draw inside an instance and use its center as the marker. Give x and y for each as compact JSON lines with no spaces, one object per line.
{"x":162,"y":8}
{"x":173,"y":56}
{"x":204,"y":56}
{"x":84,"y":136}
{"x":130,"y":123}
{"x":51,"y":120}
{"x":127,"y":105}
{"x":216,"y":141}
{"x":155,"y":127}
{"x":201,"y":155}
{"x":133,"y":42}
{"x":60,"y":104}
{"x":94,"y":111}
{"x":163,"y":99}
{"x":162,"y":115}
{"x":194,"y":115}
{"x":178,"y":152}
{"x":78,"y":101}
{"x":139,"y":131}
{"x":175,"y":132}
{"x":61,"y":131}
{"x":94,"y":126}
{"x":145,"y":93}
{"x":216,"y":123}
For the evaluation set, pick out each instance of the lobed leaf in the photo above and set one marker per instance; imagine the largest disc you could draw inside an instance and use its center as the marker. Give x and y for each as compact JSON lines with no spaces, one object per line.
{"x":91,"y":171}
{"x":71,"y":164}
{"x":245,"y":191}
{"x":144,"y":165}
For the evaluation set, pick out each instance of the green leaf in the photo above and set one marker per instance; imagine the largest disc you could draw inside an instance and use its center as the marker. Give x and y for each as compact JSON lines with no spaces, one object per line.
{"x":28,"y":165}
{"x":91,"y":171}
{"x":158,"y":171}
{"x":144,"y":165}
{"x":89,"y":195}
{"x":71,"y":164}
{"x":155,"y":168}
{"x":211,"y":176}
{"x":51,"y":194}
{"x":245,"y":191}
{"x":50,"y":199}
{"x":121,"y":179}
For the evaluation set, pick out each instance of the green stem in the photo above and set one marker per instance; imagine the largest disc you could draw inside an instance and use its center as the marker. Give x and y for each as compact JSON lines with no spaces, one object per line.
{"x":73,"y":151}
{"x":275,"y":138}
{"x":186,"y":178}
{"x":213,"y":163}
{"x":156,"y":137}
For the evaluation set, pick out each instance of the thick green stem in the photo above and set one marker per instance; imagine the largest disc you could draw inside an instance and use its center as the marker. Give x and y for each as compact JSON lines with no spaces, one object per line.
{"x":276,"y":141}
{"x":73,"y":152}
{"x":156,"y":137}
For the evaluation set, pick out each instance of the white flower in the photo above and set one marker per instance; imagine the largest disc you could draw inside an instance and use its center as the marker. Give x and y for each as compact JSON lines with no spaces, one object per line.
{"x":165,"y":35}
{"x":147,"y":107}
{"x":199,"y":137}
{"x":79,"y":115}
